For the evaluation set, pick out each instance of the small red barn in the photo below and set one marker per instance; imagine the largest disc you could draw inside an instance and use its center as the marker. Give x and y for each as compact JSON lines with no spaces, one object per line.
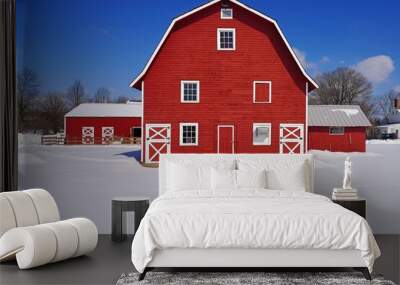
{"x":223,"y":79}
{"x":337,"y":128}
{"x":92,"y":123}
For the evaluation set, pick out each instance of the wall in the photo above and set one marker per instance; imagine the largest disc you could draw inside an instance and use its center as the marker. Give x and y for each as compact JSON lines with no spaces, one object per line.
{"x":226,"y":81}
{"x":122,"y":127}
{"x":353,"y":139}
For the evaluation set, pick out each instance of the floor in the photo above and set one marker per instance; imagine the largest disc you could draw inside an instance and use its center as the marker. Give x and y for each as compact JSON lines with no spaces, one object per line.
{"x":110,"y":260}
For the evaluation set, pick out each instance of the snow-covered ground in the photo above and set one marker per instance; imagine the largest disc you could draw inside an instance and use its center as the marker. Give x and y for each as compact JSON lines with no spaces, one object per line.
{"x":383,"y":141}
{"x":83,"y":179}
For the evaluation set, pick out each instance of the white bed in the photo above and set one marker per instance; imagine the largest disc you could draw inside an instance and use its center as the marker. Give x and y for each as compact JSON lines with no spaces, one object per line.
{"x":282,"y":224}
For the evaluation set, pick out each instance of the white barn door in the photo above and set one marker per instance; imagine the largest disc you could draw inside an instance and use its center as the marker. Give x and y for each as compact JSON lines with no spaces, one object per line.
{"x":158,"y":137}
{"x":88,"y":135}
{"x":107,"y":135}
{"x":291,"y":139}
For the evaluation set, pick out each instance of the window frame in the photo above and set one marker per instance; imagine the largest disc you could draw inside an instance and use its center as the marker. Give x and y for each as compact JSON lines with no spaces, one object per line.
{"x":181,"y":125}
{"x":254,"y":91}
{"x":226,"y":18}
{"x":219,"y":30}
{"x":183,"y":82}
{"x":257,"y":125}
{"x":336,"y":134}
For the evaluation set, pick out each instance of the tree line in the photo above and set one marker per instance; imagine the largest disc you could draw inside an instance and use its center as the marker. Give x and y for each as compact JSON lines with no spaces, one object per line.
{"x":346,"y":86}
{"x":44,"y":113}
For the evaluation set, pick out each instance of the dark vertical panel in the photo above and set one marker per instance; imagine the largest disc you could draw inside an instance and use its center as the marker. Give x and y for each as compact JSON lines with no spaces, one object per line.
{"x":8,"y":99}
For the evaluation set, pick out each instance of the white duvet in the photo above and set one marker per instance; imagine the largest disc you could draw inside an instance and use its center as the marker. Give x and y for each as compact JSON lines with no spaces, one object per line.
{"x":250,"y":219}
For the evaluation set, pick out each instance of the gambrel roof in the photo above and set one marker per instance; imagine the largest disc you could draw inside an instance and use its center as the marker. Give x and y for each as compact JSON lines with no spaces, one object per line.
{"x":134,"y":83}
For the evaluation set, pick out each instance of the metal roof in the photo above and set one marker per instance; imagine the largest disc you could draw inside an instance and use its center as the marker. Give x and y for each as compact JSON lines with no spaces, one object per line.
{"x":337,"y":116}
{"x":131,"y":109}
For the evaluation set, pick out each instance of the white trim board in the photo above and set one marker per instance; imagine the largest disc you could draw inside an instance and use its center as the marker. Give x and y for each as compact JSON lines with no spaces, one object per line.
{"x":208,"y":5}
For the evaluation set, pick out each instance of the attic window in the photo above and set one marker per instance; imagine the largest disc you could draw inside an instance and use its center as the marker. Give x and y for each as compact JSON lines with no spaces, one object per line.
{"x":226,"y":13}
{"x":226,"y":39}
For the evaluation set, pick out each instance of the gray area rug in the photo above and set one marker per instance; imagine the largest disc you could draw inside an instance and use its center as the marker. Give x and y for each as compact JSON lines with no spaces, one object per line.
{"x":269,"y":278}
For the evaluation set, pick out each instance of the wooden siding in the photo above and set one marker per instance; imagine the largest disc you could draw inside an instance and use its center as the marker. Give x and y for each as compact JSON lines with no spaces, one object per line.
{"x":353,"y":139}
{"x":226,"y":80}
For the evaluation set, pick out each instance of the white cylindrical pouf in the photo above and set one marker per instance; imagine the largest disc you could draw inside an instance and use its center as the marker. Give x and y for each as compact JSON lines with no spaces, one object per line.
{"x":87,"y":233}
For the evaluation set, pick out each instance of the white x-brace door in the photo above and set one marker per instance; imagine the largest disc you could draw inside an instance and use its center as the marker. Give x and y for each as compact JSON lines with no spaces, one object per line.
{"x":88,"y":135}
{"x":158,"y":137}
{"x":107,"y":135}
{"x":291,"y":138}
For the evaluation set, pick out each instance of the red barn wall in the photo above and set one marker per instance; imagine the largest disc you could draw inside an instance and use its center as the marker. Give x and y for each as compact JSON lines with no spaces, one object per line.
{"x":353,"y":139}
{"x":226,"y":81}
{"x":122,"y":126}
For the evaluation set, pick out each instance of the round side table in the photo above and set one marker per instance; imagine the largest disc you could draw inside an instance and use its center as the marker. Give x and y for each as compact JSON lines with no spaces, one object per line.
{"x":119,"y":205}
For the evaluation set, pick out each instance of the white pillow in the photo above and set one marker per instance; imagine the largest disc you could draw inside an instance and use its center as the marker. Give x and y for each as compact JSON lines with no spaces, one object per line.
{"x":289,"y":176}
{"x":223,"y":179}
{"x":183,"y":177}
{"x":282,"y":174}
{"x":251,"y":178}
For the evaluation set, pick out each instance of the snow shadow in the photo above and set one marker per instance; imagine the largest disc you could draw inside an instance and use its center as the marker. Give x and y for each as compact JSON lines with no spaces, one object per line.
{"x":132,"y":154}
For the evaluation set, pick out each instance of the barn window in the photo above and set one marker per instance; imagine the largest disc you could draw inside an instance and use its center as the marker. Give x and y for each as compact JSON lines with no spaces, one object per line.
{"x":262,"y":91}
{"x":336,"y":131}
{"x":226,"y":13}
{"x":262,"y":134}
{"x":189,"y":134}
{"x":226,"y":39}
{"x":190,"y":91}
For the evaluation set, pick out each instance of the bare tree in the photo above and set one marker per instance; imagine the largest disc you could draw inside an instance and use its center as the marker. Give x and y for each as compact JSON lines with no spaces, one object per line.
{"x":102,"y":95}
{"x":344,"y":86}
{"x":51,"y":112}
{"x":27,"y":92}
{"x":384,"y":104}
{"x":122,"y":99}
{"x":76,"y":94}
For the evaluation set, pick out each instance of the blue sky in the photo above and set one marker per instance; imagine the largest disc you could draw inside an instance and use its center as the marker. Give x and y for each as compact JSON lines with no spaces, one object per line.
{"x":107,"y":43}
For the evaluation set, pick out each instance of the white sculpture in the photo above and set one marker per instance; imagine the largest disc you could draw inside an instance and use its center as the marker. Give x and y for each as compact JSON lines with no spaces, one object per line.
{"x":347,"y":174}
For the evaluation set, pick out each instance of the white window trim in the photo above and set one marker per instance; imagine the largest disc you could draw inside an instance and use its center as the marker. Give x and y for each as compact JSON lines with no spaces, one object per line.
{"x":219,"y":30}
{"x":267,"y":125}
{"x":222,"y":14}
{"x":181,"y":125}
{"x":183,"y":94}
{"x":336,"y":134}
{"x":270,"y":92}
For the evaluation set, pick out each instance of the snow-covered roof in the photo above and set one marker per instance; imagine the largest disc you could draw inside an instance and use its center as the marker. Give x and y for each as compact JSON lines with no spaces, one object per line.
{"x":337,"y":116}
{"x":131,"y":109}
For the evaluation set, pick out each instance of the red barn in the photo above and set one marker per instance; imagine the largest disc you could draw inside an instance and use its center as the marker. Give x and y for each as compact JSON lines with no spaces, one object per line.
{"x":223,"y":79}
{"x":337,"y":128}
{"x":92,"y":123}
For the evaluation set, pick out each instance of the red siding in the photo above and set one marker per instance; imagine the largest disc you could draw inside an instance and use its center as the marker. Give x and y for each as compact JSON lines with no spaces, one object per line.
{"x":122,"y":126}
{"x":226,"y":81}
{"x":352,"y":140}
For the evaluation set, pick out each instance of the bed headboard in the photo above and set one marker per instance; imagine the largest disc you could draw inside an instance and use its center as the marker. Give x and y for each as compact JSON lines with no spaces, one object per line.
{"x":207,"y":159}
